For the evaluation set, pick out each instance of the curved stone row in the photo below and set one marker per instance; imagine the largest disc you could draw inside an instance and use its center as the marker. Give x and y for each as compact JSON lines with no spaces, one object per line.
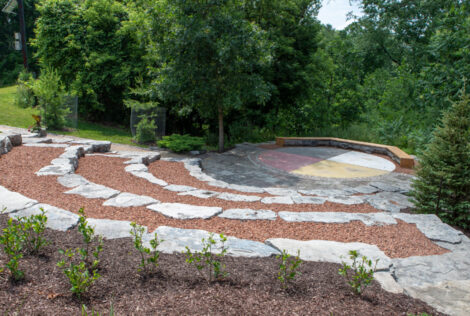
{"x":442,"y":281}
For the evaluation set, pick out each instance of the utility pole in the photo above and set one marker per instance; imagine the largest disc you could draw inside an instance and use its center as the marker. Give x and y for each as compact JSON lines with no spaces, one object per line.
{"x":23,"y":34}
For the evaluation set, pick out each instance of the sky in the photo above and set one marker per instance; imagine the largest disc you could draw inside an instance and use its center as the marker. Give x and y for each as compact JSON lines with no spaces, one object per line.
{"x":334,"y":12}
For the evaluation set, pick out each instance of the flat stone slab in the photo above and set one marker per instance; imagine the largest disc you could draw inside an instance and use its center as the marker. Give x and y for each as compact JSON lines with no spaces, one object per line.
{"x":56,"y":170}
{"x":389,"y":187}
{"x":248,"y":214}
{"x":136,"y":167}
{"x":369,"y":219}
{"x":245,"y":188}
{"x":176,"y":240}
{"x":388,"y":201}
{"x":330,"y":251}
{"x":139,"y":157}
{"x":364,"y":189}
{"x":93,"y":191}
{"x":308,"y":200}
{"x":15,"y":138}
{"x":387,"y":282}
{"x":281,"y":191}
{"x":202,"y":194}
{"x":36,"y":140}
{"x":449,"y":297}
{"x":238,"y":197}
{"x":96,"y":146}
{"x":130,"y":200}
{"x":325,"y":192}
{"x":14,"y":201}
{"x":111,"y":229}
{"x":72,"y":180}
{"x":45,"y":145}
{"x":277,"y":200}
{"x":185,"y":211}
{"x":57,"y":218}
{"x":432,"y":227}
{"x":149,"y":177}
{"x":179,"y":188}
{"x":417,"y":271}
{"x":347,"y":200}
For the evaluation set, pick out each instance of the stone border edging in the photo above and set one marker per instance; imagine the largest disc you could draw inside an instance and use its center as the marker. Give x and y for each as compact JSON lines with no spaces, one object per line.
{"x":398,"y":155}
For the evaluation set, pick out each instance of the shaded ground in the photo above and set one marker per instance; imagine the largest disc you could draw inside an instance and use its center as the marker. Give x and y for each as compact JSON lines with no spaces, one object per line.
{"x":250,"y":289}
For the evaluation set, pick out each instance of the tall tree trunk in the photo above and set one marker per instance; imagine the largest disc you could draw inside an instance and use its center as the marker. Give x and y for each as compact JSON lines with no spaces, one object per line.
{"x":221,"y":129}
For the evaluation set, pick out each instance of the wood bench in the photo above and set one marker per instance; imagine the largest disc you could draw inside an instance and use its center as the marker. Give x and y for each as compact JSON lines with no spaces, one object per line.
{"x":395,"y":153}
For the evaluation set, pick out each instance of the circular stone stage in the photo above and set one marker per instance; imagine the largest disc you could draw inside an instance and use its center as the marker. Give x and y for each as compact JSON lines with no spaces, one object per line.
{"x":326,"y":162}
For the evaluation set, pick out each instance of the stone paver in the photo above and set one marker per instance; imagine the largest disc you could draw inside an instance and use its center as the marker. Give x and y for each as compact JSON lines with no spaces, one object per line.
{"x":330,"y":251}
{"x":368,"y":219}
{"x":179,"y":188}
{"x":57,"y":218}
{"x":277,"y":200}
{"x":72,"y":180}
{"x":238,"y":197}
{"x":248,"y":214}
{"x":177,"y":239}
{"x":185,"y":211}
{"x":93,"y":191}
{"x":13,"y":201}
{"x":202,"y":194}
{"x":129,"y":200}
{"x":111,"y":229}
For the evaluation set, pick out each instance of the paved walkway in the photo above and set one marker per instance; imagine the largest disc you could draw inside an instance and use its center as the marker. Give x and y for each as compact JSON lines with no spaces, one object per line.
{"x":442,"y":281}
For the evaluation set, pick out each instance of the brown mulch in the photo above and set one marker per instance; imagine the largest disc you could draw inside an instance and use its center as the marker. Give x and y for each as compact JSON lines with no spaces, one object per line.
{"x":251,"y":287}
{"x":17,"y":169}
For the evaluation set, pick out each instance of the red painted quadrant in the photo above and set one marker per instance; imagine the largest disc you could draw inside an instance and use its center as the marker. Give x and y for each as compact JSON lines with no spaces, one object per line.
{"x":286,"y":161}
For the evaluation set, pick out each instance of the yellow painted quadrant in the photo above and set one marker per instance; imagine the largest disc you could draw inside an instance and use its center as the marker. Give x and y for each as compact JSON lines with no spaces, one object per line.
{"x":333,"y":169}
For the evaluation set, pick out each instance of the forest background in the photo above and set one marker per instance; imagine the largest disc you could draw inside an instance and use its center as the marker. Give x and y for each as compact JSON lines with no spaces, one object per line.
{"x":262,"y":68}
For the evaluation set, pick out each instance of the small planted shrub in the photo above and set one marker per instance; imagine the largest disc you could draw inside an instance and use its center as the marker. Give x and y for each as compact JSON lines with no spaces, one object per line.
{"x":85,"y":311}
{"x":93,"y":243}
{"x":288,"y":268}
{"x":51,"y":95}
{"x":12,"y":240}
{"x":81,"y":277}
{"x":360,"y":274}
{"x":207,"y":260}
{"x":145,"y":131}
{"x":33,"y":228}
{"x":81,"y":265}
{"x":148,"y":256}
{"x":181,"y":143}
{"x":24,"y":236}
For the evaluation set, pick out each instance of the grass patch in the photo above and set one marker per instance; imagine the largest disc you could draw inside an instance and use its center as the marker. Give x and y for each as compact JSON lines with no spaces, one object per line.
{"x":12,"y":115}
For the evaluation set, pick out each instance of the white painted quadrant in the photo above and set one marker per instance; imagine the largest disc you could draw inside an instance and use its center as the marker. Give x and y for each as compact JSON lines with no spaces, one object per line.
{"x":364,"y":160}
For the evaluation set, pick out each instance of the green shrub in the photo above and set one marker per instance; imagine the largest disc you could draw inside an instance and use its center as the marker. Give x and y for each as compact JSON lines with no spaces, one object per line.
{"x":12,"y":241}
{"x":361,"y":274}
{"x":181,"y":143}
{"x":145,"y":131}
{"x":51,"y":95}
{"x":33,"y":228}
{"x":24,"y":236}
{"x":82,"y":272}
{"x":148,"y":257}
{"x":81,"y":277}
{"x":442,"y":186}
{"x":24,"y":93}
{"x":288,"y":268}
{"x":206,"y":259}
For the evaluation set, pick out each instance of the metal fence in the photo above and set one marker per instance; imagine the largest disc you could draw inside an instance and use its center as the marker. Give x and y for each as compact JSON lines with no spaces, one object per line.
{"x":159,"y":120}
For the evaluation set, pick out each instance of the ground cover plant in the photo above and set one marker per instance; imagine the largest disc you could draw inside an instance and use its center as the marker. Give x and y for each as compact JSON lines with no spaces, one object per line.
{"x":181,"y":143}
{"x":148,"y":256}
{"x":176,"y":289}
{"x":360,"y":273}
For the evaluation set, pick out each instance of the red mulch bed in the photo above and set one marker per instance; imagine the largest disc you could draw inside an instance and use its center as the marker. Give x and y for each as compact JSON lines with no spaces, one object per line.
{"x":176,"y":288}
{"x":18,"y":167}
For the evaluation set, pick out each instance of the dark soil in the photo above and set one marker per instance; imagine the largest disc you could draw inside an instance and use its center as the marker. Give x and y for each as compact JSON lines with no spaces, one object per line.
{"x":176,"y":288}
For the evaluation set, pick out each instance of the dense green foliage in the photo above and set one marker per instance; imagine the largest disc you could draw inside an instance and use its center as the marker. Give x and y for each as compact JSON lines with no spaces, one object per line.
{"x":181,"y":143}
{"x":51,"y":96}
{"x":93,"y":50}
{"x":256,"y":68}
{"x":11,"y":61}
{"x":443,"y":183}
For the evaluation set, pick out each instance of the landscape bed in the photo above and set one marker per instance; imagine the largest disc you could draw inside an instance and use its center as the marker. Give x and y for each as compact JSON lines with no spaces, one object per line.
{"x":251,"y":287}
{"x":18,"y":167}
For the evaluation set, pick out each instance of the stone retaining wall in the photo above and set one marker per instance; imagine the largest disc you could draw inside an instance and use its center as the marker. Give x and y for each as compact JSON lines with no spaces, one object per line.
{"x":395,"y":153}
